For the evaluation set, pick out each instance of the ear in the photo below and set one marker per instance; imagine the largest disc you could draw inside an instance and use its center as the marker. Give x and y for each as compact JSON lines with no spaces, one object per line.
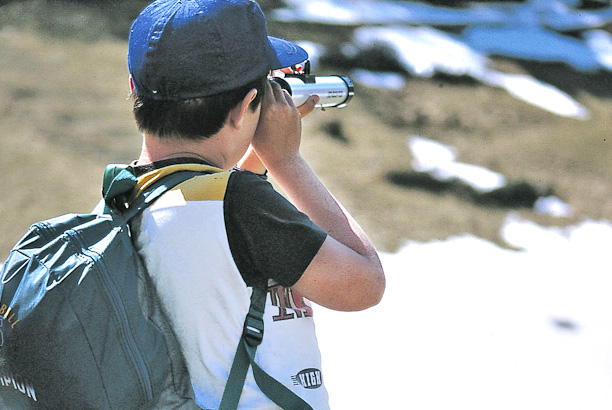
{"x":132,"y":84}
{"x":237,"y":114}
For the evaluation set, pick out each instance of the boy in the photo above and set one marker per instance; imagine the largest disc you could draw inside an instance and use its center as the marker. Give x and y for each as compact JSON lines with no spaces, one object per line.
{"x":203,"y":101}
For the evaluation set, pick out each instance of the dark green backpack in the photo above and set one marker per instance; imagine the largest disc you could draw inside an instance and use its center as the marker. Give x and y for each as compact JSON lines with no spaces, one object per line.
{"x":80,"y":328}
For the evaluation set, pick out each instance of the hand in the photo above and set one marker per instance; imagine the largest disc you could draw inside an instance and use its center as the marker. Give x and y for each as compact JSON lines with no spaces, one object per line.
{"x":251,"y":162}
{"x":309,"y":105}
{"x":278,"y":134}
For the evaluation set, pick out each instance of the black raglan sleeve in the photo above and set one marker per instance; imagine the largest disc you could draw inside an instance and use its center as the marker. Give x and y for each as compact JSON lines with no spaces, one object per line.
{"x":268,"y":237}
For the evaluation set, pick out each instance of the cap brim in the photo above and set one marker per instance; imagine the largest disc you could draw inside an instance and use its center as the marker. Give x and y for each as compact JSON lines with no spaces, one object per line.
{"x":286,"y":53}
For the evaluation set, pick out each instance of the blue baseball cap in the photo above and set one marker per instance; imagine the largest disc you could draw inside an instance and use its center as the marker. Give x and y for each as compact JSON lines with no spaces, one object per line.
{"x":181,"y":49}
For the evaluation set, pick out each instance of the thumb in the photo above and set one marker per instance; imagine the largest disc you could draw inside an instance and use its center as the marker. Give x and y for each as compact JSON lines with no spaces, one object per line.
{"x":309,"y":105}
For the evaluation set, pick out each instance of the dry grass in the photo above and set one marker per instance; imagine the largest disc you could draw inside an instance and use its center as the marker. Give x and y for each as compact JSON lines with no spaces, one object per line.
{"x":64,"y":115}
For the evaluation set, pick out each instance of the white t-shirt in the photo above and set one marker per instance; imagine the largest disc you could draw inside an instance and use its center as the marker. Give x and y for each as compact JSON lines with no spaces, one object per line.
{"x":205,"y":244}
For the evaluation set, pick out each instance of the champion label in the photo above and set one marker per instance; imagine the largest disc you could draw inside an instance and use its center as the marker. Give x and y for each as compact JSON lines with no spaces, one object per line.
{"x":9,"y":379}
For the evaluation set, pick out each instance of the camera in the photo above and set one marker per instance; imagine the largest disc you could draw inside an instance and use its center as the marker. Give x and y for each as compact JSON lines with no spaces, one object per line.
{"x":333,"y":90}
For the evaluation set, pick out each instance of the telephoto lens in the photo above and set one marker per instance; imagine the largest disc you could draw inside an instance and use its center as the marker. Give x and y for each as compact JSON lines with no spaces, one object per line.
{"x":333,"y":90}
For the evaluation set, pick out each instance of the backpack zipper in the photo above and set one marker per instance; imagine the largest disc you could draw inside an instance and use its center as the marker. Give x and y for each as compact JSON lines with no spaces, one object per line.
{"x":120,"y":313}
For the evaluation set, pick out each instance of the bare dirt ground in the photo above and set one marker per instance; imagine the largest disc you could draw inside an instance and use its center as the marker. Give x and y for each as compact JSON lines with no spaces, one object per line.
{"x":64,"y":115}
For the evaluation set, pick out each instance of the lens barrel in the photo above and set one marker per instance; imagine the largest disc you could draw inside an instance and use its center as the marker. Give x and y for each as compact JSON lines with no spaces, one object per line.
{"x":333,"y":90}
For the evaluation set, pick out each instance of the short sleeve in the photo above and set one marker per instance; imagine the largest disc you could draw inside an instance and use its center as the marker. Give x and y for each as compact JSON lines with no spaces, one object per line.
{"x":269,"y":238}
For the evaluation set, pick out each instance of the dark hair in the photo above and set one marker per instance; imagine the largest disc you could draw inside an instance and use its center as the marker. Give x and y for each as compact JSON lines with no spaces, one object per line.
{"x":193,"y":118}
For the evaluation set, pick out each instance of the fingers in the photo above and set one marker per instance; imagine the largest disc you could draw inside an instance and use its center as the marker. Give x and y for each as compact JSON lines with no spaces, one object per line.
{"x":278,"y":132}
{"x":275,"y":94}
{"x":281,"y":95}
{"x":278,"y":106}
{"x":269,"y":96}
{"x":309,"y":105}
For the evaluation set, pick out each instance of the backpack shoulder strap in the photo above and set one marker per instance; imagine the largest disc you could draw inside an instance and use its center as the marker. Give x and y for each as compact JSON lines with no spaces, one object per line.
{"x":165,"y":184}
{"x":251,"y":338}
{"x":119,"y":183}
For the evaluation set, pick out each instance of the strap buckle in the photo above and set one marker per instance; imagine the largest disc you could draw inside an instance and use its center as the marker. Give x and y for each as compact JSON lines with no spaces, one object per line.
{"x":254,"y":327}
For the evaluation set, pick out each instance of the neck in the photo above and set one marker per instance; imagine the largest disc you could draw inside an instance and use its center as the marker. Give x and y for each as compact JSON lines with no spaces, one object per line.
{"x":156,"y":149}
